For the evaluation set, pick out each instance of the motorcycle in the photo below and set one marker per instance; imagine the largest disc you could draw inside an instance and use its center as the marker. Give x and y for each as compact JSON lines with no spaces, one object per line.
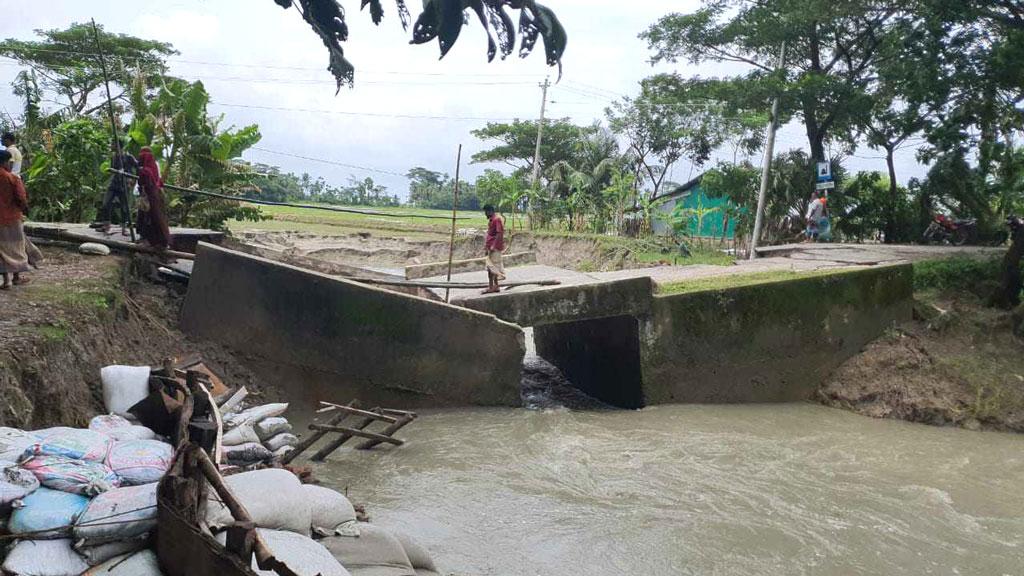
{"x":957,"y":232}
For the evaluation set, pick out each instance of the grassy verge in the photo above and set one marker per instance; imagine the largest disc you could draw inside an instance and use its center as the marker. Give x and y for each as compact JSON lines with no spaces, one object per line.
{"x":726,"y":281}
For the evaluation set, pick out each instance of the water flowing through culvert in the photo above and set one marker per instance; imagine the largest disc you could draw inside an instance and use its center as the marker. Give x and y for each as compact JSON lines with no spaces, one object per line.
{"x":668,"y":490}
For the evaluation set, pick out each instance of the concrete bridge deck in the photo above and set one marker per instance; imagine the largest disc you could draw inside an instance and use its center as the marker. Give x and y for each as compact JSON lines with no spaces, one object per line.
{"x":533,"y":305}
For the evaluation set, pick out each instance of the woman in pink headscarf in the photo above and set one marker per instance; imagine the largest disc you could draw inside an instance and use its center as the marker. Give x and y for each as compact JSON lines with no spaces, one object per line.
{"x":151,"y":220}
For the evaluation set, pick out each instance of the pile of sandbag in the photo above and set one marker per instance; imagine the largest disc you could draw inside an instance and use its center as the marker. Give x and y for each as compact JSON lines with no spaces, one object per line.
{"x":314,"y":529}
{"x":256,"y":435}
{"x":84,"y":497}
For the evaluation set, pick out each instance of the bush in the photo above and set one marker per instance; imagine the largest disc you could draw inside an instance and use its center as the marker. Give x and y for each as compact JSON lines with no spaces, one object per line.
{"x":956,"y":274}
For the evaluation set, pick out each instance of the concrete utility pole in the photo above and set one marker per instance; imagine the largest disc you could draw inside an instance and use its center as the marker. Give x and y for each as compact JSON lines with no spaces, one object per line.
{"x":766,"y":168}
{"x":540,"y":136}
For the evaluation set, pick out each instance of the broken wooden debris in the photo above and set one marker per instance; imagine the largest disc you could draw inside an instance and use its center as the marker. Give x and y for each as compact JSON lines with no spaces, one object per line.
{"x":316,"y":436}
{"x":395,"y":419}
{"x":359,"y":433}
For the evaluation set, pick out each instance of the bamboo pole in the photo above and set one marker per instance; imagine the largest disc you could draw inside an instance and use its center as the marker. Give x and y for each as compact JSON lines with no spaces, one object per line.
{"x":358,"y":412}
{"x":120,"y":244}
{"x":359,"y":433}
{"x":387,"y":432}
{"x":455,"y":211}
{"x":113,"y":123}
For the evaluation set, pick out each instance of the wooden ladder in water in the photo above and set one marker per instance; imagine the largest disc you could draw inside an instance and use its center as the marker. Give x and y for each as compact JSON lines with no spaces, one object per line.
{"x":395,"y":420}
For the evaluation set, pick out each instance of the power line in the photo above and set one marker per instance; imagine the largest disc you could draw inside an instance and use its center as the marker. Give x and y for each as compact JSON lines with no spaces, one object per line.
{"x":367,"y":114}
{"x":331,"y":162}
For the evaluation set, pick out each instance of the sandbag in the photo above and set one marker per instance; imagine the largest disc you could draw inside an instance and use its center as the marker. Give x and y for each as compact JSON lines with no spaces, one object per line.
{"x":304,"y":556}
{"x":15,"y":484}
{"x":270,"y":427}
{"x":255,"y":414}
{"x":283,"y":451}
{"x":133,"y":432}
{"x":101,"y":553}
{"x":14,"y":442}
{"x":104,"y":423}
{"x":123,"y":387}
{"x":374,"y":548}
{"x":94,"y":249}
{"x":47,"y":513}
{"x":246,"y":454}
{"x":75,"y":476}
{"x":280,"y":441}
{"x":273,"y":497}
{"x":44,"y":558}
{"x":418,"y":555}
{"x":139,"y":462}
{"x":118,"y":515}
{"x":329,"y":509}
{"x":243,"y":434}
{"x":425,"y":572}
{"x":141,"y":563}
{"x":73,"y":443}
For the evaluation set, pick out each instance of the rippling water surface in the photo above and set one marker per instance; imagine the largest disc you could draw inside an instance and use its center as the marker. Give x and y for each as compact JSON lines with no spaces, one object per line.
{"x":778,"y":489}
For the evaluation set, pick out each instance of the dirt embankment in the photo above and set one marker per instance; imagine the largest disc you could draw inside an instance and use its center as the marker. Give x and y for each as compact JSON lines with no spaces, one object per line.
{"x":958,"y":363}
{"x":81,"y":313}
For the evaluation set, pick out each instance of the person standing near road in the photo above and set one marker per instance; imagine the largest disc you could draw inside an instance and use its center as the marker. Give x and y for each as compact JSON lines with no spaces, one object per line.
{"x":13,"y":244}
{"x":118,"y":190}
{"x":815,"y":212}
{"x":10,"y":142}
{"x":494,"y":245}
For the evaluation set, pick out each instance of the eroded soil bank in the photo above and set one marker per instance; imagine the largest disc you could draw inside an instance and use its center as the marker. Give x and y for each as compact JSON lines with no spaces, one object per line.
{"x":957,"y":363}
{"x":81,"y":313}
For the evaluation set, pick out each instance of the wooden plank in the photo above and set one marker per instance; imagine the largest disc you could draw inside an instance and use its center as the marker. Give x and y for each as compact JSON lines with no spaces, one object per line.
{"x":118,"y":244}
{"x":324,"y":452}
{"x":236,"y":399}
{"x":364,"y":413}
{"x":359,"y":433}
{"x":453,"y":285}
{"x":315,"y":436}
{"x":386,"y":432}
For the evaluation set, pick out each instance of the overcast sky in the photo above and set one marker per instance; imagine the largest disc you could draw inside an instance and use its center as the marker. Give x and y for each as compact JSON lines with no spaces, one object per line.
{"x":262,"y":64}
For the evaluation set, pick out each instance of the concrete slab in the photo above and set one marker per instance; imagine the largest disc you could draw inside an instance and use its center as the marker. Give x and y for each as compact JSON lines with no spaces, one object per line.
{"x":182,"y":239}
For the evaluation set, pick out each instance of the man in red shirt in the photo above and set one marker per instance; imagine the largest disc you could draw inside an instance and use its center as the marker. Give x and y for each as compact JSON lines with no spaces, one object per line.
{"x":493,"y":247}
{"x":13,"y":205}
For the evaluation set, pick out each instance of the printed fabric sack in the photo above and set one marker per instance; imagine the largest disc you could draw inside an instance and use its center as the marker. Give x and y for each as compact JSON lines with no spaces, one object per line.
{"x":75,"y":476}
{"x":47,"y":514}
{"x":119,"y":514}
{"x":73,"y":443}
{"x":44,"y":558}
{"x":139,"y":462}
{"x":15,"y":484}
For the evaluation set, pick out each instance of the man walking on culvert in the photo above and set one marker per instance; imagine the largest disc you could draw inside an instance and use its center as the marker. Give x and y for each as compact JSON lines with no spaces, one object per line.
{"x":493,"y":247}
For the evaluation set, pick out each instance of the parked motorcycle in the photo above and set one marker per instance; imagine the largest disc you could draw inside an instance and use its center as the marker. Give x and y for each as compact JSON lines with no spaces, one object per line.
{"x":957,"y":232}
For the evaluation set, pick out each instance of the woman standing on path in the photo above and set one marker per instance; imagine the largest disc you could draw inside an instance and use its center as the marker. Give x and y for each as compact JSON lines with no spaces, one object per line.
{"x":13,"y":205}
{"x":152,"y":217}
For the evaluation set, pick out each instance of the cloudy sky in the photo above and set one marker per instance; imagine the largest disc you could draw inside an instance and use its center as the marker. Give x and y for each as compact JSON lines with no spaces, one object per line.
{"x":263,"y":65}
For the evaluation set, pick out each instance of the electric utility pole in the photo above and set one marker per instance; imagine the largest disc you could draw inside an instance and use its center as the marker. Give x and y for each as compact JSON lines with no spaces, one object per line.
{"x":536,"y":152}
{"x":766,"y":167}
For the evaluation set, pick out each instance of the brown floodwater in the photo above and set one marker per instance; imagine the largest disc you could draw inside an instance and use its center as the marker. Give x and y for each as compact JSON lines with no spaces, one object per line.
{"x":746,"y":490}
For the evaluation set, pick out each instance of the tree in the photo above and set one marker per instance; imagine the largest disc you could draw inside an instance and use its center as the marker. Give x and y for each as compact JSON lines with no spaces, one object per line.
{"x":833,"y":49}
{"x":67,"y":181}
{"x":517,"y":143}
{"x":441,"y":20}
{"x":66,"y":62}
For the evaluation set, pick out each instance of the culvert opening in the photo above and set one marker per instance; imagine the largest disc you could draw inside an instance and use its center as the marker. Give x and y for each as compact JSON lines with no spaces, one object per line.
{"x":600,"y":357}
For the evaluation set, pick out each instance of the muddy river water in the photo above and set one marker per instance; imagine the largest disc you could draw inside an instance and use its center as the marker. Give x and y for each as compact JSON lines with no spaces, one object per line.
{"x":746,"y":490}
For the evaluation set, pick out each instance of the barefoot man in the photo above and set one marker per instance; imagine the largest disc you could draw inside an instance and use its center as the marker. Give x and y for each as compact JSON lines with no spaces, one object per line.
{"x":13,"y":205}
{"x":493,"y":247}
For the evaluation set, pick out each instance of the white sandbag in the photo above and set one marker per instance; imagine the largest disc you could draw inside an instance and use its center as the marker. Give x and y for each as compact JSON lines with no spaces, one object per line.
{"x":273,"y":497}
{"x":74,"y":443}
{"x":305,"y":556}
{"x":255,"y":414}
{"x":47,"y":513}
{"x":270,"y":427}
{"x":283,"y":451}
{"x":104,"y":423}
{"x":94,"y":249}
{"x":14,"y":442}
{"x":246,"y":454}
{"x":138,"y":462}
{"x":329,"y":509}
{"x":15,"y":484}
{"x":141,"y":563}
{"x":419,"y":557}
{"x":243,"y":434}
{"x":375,"y":548}
{"x":123,"y":387}
{"x":425,"y":572}
{"x":133,"y":432}
{"x":280,"y":441}
{"x":44,"y":558}
{"x":75,"y":476}
{"x":117,"y":515}
{"x":101,"y":553}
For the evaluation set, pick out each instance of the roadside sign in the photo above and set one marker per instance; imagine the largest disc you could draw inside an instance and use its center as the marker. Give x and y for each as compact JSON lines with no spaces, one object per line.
{"x":824,"y":171}
{"x":825,"y":185}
